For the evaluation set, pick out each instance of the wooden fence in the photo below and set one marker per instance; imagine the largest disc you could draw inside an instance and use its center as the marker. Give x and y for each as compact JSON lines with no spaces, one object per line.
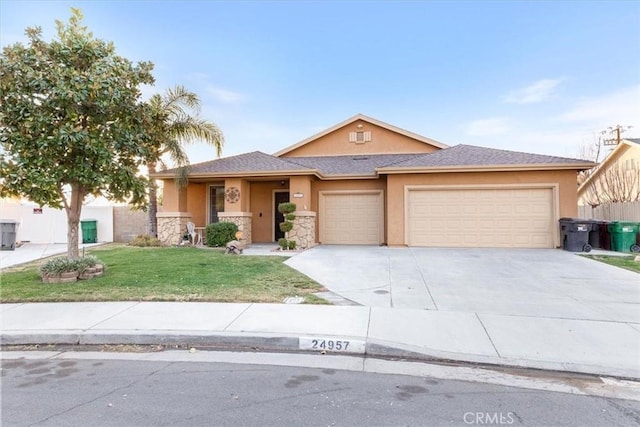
{"x":628,"y":211}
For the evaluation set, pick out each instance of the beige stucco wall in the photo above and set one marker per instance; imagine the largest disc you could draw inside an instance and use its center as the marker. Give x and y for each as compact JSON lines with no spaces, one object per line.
{"x":383,"y":141}
{"x":170,"y":196}
{"x":262,"y":207}
{"x":197,"y":203}
{"x":566,"y":181}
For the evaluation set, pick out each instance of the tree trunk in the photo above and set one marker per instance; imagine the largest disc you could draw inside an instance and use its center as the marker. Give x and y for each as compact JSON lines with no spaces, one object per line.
{"x":74,"y":209}
{"x":152,"y":226}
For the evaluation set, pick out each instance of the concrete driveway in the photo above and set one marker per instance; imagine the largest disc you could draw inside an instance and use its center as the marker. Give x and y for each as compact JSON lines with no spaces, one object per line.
{"x":519,"y":282}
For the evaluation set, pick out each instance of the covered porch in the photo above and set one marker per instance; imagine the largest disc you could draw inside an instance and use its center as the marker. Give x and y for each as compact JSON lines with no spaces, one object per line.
{"x":249,"y":202}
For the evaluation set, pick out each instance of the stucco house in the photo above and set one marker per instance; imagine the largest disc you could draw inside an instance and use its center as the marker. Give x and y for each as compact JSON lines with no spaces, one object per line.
{"x":367,"y":182}
{"x":616,"y":179}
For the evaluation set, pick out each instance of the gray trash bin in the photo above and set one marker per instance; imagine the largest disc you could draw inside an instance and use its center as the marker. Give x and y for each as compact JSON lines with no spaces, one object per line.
{"x":8,"y":229}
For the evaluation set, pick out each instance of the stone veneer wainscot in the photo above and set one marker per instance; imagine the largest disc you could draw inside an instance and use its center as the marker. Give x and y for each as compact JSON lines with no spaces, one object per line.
{"x":304,"y":230}
{"x":172,"y":226}
{"x":242,"y":220}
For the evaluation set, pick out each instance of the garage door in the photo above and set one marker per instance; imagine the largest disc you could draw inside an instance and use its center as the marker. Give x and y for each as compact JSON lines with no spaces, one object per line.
{"x":520,"y":218}
{"x":351,"y":218}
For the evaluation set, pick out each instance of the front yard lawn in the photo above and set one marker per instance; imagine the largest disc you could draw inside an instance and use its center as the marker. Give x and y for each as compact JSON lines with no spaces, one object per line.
{"x":619,"y":261}
{"x":167,"y":274}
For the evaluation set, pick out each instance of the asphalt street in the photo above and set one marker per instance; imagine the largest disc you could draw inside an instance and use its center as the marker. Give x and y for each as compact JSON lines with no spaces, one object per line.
{"x":102,"y":392}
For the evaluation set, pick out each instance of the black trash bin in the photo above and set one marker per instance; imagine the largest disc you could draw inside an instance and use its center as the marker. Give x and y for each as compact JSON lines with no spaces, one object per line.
{"x":8,"y":234}
{"x":575,"y":234}
{"x":599,"y":236}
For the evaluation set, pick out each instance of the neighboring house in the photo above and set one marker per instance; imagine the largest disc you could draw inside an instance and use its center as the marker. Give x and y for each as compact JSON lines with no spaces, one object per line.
{"x":616,"y":179}
{"x":366,"y":182}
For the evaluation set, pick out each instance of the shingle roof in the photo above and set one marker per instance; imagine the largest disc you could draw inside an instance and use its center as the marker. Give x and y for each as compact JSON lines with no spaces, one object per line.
{"x":350,"y":165}
{"x":369,"y":165}
{"x":255,"y":161}
{"x":471,"y":155}
{"x":634,"y":140}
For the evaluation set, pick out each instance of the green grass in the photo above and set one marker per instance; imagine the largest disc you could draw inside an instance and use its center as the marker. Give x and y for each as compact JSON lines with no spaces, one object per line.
{"x":626,"y":262}
{"x":167,"y":274}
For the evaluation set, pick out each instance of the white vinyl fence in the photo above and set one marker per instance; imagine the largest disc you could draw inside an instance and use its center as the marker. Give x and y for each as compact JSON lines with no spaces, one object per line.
{"x":47,"y":225}
{"x":628,"y":211}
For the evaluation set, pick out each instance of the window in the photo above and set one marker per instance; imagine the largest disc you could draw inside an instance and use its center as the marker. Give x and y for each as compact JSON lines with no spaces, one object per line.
{"x":359,"y":137}
{"x":216,"y":202}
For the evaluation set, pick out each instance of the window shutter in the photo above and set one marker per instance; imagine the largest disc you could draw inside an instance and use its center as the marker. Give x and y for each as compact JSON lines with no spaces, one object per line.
{"x":367,"y":136}
{"x":352,"y":136}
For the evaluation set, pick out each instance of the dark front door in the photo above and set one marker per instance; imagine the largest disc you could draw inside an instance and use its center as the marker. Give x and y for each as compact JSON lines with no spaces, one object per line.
{"x":280,"y":197}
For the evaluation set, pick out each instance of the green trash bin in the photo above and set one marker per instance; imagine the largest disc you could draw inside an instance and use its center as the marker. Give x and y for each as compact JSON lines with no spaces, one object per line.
{"x":89,"y":230}
{"x":623,"y":236}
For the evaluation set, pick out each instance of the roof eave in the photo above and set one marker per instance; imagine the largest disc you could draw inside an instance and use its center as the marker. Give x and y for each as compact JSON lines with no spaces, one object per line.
{"x":485,"y":168}
{"x":242,"y":174}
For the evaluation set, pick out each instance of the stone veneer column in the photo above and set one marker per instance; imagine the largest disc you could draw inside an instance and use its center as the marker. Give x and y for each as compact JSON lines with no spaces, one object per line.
{"x":242,"y":220}
{"x":172,"y":226}
{"x":304,"y":230}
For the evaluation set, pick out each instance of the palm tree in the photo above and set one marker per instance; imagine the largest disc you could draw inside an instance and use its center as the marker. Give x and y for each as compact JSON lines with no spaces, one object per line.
{"x":175,"y":122}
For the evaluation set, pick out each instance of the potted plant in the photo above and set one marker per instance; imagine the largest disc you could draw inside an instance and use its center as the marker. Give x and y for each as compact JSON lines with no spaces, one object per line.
{"x":89,"y":267}
{"x":59,"y":270}
{"x":66,"y":270}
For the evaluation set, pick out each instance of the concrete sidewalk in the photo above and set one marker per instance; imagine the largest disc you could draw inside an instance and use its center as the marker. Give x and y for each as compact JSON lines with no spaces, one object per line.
{"x":595,"y":347}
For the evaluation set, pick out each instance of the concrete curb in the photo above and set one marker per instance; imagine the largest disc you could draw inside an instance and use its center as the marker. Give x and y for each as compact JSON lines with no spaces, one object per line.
{"x":292,"y":344}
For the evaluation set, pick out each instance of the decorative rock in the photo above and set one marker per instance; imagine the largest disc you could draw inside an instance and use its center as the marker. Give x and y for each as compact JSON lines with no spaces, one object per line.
{"x":234,"y":247}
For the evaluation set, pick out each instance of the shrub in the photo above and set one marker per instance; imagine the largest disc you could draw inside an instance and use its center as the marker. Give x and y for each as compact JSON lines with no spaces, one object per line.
{"x":282,"y":242}
{"x":57,"y":266}
{"x":220,"y":233}
{"x":290,"y":217}
{"x":286,"y":226}
{"x":144,"y":240}
{"x":287,"y":208}
{"x":292,"y":245}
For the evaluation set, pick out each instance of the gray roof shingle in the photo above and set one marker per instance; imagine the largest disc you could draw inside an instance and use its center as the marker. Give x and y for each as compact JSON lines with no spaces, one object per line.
{"x":367,"y":165}
{"x":255,"y":161}
{"x":634,"y":140}
{"x":471,"y":155}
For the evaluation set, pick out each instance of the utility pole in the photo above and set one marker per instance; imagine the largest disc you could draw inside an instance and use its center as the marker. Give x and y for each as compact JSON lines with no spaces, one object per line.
{"x":615,"y":132}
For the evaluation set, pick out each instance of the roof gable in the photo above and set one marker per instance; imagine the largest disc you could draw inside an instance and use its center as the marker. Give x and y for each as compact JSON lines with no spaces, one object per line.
{"x":620,"y":150}
{"x":375,"y":137}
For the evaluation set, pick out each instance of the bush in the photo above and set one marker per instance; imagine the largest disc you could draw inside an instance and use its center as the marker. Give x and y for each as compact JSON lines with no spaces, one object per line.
{"x":290,"y":217}
{"x":287,"y":208}
{"x":292,"y":245}
{"x":57,"y":266}
{"x":220,"y":233}
{"x":282,"y":242}
{"x":286,"y":226}
{"x":145,"y":240}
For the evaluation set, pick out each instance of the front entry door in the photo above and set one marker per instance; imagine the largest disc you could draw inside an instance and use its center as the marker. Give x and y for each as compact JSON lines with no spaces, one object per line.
{"x":279,"y":197}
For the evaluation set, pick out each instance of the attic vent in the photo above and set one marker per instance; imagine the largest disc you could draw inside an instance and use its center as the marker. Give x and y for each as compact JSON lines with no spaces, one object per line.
{"x":359,"y":137}
{"x":360,"y":158}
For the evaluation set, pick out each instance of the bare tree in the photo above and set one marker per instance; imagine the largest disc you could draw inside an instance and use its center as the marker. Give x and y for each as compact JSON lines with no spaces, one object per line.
{"x":618,"y":183}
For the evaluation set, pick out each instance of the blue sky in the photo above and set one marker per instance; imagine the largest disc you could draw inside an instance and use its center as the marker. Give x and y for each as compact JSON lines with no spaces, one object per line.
{"x":543,"y":77}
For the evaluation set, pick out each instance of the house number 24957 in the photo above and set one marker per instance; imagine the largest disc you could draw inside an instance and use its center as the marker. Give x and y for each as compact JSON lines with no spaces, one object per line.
{"x":319,"y":344}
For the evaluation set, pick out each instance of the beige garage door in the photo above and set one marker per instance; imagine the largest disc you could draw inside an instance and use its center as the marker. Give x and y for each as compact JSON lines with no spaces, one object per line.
{"x":351,"y":218}
{"x":519,"y":218}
